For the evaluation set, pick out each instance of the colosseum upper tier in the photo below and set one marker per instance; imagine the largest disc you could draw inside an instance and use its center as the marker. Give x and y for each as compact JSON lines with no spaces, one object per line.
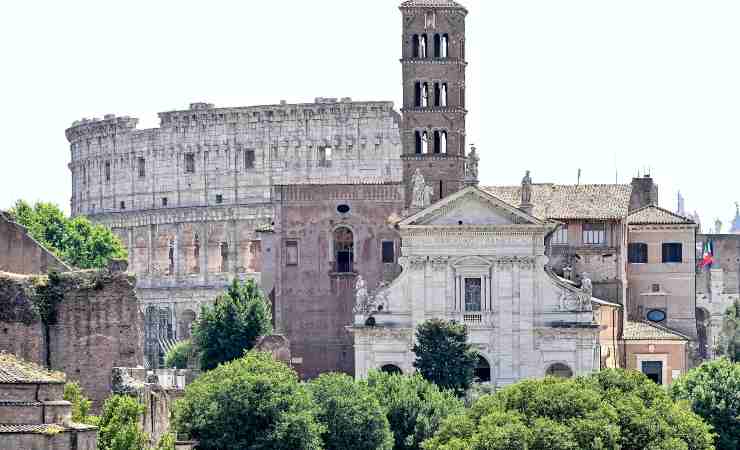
{"x":188,"y":198}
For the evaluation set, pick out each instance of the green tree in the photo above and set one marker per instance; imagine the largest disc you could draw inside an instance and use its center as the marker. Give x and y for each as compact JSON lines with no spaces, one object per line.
{"x":75,"y":241}
{"x":729,"y":338}
{"x":80,"y":404}
{"x":414,"y":406}
{"x":232,"y":325}
{"x":612,"y":409}
{"x":167,"y":442}
{"x":251,"y":403}
{"x":713,"y":390}
{"x":353,"y":417}
{"x":119,"y":425}
{"x":178,"y":356}
{"x":444,"y":356}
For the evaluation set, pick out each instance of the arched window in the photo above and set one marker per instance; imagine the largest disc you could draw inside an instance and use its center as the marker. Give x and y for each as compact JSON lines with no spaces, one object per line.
{"x":559,"y":370}
{"x":344,"y":250}
{"x":423,"y":46}
{"x":391,"y":369}
{"x":425,"y":142}
{"x":443,"y":95}
{"x":186,"y":324}
{"x":418,"y":146}
{"x":482,"y":370}
{"x":415,"y":46}
{"x":443,"y":142}
{"x":224,"y":257}
{"x":445,"y":44}
{"x":417,"y":94}
{"x":425,"y":95}
{"x":436,"y":141}
{"x":437,"y":46}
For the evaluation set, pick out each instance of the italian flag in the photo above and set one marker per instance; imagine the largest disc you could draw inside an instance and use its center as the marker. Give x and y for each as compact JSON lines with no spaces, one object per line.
{"x":708,"y":255}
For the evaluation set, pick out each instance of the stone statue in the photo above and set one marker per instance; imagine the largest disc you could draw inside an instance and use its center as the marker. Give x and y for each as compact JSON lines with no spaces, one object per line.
{"x":587,"y":285}
{"x":428,"y":192}
{"x":527,"y":189}
{"x":361,"y":297}
{"x":471,"y":165}
{"x":717,"y":226}
{"x":418,"y":193}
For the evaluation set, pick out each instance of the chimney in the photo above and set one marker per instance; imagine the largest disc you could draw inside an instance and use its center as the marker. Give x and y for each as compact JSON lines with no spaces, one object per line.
{"x":644,"y":192}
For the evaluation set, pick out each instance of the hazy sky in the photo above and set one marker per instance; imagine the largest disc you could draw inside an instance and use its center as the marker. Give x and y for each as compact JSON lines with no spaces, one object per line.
{"x":606,"y":86}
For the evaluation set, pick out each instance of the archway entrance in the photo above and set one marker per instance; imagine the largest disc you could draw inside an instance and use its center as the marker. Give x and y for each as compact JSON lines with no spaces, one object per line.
{"x":483,"y":371}
{"x":559,"y":370}
{"x":391,"y":369}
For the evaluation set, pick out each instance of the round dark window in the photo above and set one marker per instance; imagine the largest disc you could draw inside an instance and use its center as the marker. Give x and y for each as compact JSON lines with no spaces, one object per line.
{"x":343,"y":209}
{"x":656,"y":315}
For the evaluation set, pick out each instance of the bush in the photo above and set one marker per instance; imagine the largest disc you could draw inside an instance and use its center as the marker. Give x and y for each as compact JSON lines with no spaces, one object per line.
{"x":414,"y":407}
{"x":713,"y":390}
{"x":232,"y":325}
{"x":609,"y":410}
{"x":253,"y":402}
{"x":178,"y":356}
{"x":444,"y":356}
{"x":353,"y":417}
{"x":80,"y":404}
{"x":729,"y":337}
{"x":119,"y":425}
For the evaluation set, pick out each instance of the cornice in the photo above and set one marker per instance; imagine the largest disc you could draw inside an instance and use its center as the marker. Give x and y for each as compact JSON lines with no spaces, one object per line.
{"x":263,"y":211}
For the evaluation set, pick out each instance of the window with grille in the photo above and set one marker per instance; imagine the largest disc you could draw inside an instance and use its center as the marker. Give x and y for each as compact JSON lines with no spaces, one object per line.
{"x":291,"y":253}
{"x":249,"y":159}
{"x":560,"y":236}
{"x":389,"y":252}
{"x":190,"y":163}
{"x":594,"y":233}
{"x":141,"y":163}
{"x":637,"y":253}
{"x":472,"y":294}
{"x":672,"y":252}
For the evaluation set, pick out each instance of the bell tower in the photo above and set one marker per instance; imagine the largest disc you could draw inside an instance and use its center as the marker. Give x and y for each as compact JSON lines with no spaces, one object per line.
{"x":433,"y":63}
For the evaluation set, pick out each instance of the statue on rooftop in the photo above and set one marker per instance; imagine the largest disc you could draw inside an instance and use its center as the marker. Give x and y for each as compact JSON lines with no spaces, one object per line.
{"x":527,"y":189}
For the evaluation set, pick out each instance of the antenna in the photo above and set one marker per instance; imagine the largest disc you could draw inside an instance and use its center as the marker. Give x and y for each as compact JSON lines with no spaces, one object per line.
{"x":579,"y":178}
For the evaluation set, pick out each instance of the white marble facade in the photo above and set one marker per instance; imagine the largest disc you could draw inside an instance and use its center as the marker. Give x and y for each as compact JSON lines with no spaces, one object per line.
{"x":473,"y":258}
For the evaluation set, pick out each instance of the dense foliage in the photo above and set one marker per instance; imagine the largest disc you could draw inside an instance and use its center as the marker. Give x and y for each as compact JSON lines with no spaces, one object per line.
{"x":232,"y":325}
{"x":178,"y":356}
{"x":414,"y":407}
{"x":80,"y":404}
{"x":713,"y":390}
{"x":444,"y":356}
{"x":119,"y":425}
{"x":610,"y":410}
{"x":729,"y":338}
{"x":353,"y":417}
{"x":251,"y":403}
{"x":75,"y":241}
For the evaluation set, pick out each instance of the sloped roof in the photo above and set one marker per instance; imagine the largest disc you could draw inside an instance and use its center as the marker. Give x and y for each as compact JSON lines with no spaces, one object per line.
{"x":14,"y":370}
{"x":640,"y":331}
{"x":569,"y":201}
{"x":431,"y":4}
{"x":43,"y":428}
{"x":655,"y":215}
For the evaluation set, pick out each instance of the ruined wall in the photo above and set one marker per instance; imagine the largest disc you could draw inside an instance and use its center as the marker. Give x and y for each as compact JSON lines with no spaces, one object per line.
{"x":314,"y":297}
{"x":20,"y":253}
{"x":95,"y":326}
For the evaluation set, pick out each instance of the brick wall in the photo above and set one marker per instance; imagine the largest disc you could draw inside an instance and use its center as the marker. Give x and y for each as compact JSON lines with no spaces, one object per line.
{"x":19,"y":253}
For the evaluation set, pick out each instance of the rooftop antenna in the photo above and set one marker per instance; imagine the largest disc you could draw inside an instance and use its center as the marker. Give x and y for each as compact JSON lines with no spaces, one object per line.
{"x":616,"y":169}
{"x":579,"y":178}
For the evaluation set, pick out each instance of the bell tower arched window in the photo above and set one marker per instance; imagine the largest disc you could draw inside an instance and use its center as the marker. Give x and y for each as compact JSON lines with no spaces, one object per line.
{"x":417,"y":141}
{"x":344,"y":250}
{"x":417,"y":94}
{"x":445,"y":46}
{"x":443,"y":142}
{"x":443,"y":95}
{"x":424,"y":142}
{"x":415,"y":46}
{"x":437,"y":46}
{"x":423,"y":46}
{"x":425,"y":95}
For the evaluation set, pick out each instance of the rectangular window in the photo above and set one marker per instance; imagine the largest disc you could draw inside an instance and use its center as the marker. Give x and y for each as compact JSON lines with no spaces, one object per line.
{"x":637,"y":253}
{"x":325,"y":156}
{"x":389,"y":252}
{"x":653,"y":370}
{"x":560,"y":237}
{"x":472,"y":294}
{"x":249,"y":159}
{"x":672,"y":253}
{"x":164,"y":201}
{"x":107,"y":171}
{"x":655,"y":288}
{"x":594,"y":233}
{"x":189,"y":163}
{"x":141,"y":163}
{"x":219,"y":198}
{"x":123,"y":205}
{"x":291,"y":253}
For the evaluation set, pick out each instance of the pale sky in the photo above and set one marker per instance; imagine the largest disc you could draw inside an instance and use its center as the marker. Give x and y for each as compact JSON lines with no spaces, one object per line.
{"x":605,"y":86}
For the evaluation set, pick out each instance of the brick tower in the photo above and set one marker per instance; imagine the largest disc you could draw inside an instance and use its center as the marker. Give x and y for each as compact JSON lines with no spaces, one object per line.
{"x":433,"y":62}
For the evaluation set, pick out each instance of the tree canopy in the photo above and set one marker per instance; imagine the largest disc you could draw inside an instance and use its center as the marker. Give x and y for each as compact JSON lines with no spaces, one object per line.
{"x":414,"y":407}
{"x":119,"y":425}
{"x":178,"y":356}
{"x":729,"y":338}
{"x":251,"y":403}
{"x":610,"y":410}
{"x":76,"y":241}
{"x":232,"y":325}
{"x":713,"y":390}
{"x":353,"y":417}
{"x":444,"y":356}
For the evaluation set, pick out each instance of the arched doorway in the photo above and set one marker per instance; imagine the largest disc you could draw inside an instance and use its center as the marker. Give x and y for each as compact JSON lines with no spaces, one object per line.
{"x":391,"y":369}
{"x":482,"y":370}
{"x":559,"y":370}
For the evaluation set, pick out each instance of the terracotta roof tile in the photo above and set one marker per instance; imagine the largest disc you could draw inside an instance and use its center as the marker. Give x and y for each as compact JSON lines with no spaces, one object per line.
{"x":44,"y":428}
{"x":431,"y":3}
{"x":655,"y":215}
{"x":584,"y":201}
{"x":635,"y":330}
{"x":16,"y":370}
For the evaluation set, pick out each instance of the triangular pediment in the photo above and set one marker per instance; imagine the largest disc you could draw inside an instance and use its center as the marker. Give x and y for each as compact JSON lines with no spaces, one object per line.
{"x":473,"y":207}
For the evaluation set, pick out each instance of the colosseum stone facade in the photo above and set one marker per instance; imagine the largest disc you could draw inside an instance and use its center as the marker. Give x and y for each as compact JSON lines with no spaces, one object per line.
{"x":188,"y":198}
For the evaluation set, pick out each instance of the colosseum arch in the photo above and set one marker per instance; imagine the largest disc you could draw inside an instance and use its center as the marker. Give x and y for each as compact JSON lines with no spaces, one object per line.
{"x":185,"y":324}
